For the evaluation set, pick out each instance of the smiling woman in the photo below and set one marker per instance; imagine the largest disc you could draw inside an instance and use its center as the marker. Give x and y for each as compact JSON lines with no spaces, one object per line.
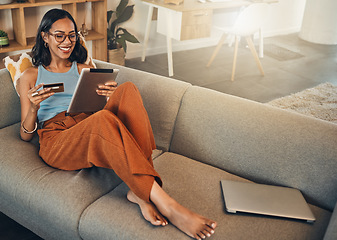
{"x":118,"y":137}
{"x":59,"y":41}
{"x":55,"y":34}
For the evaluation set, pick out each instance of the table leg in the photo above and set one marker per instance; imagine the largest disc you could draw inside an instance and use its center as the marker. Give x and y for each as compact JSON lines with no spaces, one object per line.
{"x":169,"y":43}
{"x":147,"y":32}
{"x":261,"y":43}
{"x":235,"y":56}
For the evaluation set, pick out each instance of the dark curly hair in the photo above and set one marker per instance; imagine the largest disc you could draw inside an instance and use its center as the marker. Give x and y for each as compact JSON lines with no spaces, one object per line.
{"x":41,"y":54}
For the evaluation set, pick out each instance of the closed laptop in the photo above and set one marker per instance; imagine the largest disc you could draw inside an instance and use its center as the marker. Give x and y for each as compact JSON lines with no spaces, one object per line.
{"x":266,"y":200}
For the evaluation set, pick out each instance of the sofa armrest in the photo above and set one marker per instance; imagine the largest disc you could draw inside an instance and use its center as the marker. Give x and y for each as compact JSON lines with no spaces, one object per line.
{"x":331,"y":232}
{"x":10,"y":103}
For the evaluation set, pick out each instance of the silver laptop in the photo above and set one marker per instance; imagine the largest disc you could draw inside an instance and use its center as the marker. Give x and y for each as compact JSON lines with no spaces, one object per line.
{"x":265,"y":200}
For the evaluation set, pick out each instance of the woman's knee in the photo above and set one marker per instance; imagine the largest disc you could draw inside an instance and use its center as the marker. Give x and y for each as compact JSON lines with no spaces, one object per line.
{"x":128,"y":87}
{"x":103,"y":114}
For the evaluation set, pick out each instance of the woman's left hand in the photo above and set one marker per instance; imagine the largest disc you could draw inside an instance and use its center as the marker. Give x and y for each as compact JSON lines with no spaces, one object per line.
{"x":107,"y":89}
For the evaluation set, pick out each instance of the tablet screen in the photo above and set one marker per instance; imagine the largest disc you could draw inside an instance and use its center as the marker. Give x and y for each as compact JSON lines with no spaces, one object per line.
{"x":85,"y":98}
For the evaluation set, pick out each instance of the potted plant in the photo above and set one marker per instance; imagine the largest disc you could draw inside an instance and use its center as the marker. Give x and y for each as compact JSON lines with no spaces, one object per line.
{"x":4,"y":41}
{"x":118,"y":36}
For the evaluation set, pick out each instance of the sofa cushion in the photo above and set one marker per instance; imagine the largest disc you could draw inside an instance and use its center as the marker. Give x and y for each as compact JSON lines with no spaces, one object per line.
{"x":161,"y":96}
{"x":197,"y":186}
{"x":9,"y":102}
{"x":258,"y":142}
{"x":46,"y":200}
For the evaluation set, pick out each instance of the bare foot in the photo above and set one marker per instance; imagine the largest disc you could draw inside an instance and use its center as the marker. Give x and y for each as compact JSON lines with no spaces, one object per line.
{"x":149,"y":211}
{"x":192,"y":224}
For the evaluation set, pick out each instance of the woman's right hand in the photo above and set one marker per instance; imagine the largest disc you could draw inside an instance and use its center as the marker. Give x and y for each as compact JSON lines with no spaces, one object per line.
{"x":36,"y":97}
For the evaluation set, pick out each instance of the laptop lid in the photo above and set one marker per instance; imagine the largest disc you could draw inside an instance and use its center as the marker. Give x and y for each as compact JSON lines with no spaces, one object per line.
{"x":266,"y":200}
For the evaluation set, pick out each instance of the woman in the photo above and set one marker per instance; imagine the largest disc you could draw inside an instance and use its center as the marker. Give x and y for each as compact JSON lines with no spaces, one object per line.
{"x":118,"y":137}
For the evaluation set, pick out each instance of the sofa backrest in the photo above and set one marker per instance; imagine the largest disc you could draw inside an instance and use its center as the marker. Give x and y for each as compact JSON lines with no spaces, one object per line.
{"x":10,"y":102}
{"x":161,"y":97}
{"x":259,"y":142}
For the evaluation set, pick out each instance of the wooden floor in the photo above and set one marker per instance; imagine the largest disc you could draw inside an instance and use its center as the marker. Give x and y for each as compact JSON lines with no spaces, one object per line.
{"x":290,"y":64}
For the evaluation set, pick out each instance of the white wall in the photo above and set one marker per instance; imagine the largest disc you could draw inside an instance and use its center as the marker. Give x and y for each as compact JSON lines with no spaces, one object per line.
{"x":285,"y":17}
{"x":320,"y":22}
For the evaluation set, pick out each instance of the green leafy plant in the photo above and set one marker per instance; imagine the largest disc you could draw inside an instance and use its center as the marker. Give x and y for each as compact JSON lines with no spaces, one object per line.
{"x":117,"y":36}
{"x":3,"y":33}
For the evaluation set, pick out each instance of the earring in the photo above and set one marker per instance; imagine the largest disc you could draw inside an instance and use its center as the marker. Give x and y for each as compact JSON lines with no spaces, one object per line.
{"x":45,"y":44}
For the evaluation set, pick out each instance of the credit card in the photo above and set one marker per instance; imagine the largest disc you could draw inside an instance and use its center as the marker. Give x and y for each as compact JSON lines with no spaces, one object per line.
{"x":55,"y":87}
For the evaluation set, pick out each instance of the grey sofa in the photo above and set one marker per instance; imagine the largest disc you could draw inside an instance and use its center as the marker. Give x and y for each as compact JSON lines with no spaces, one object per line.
{"x":202,"y":136}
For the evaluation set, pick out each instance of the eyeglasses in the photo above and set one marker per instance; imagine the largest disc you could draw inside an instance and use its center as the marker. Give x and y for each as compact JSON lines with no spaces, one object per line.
{"x":60,"y":37}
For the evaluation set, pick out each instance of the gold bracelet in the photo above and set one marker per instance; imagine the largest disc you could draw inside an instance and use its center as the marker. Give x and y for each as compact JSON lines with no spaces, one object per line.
{"x":26,"y":131}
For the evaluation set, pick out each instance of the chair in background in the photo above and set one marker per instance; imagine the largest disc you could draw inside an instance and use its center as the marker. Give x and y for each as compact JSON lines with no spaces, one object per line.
{"x":248,"y":22}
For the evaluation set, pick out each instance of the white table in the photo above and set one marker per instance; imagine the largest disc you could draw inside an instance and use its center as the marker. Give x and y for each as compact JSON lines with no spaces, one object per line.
{"x":189,"y":20}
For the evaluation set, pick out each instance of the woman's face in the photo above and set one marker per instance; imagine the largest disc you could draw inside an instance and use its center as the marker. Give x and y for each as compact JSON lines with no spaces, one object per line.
{"x":61,"y":29}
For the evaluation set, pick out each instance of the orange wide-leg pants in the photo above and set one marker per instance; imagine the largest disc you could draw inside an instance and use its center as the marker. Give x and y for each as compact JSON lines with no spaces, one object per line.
{"x":119,"y":137}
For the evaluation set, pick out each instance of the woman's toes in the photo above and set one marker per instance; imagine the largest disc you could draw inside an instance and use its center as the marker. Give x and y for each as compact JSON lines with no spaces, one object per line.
{"x":164,"y":223}
{"x":197,"y":237}
{"x":201,"y":235}
{"x":156,"y":222}
{"x":206,"y":234}
{"x":209,"y":230}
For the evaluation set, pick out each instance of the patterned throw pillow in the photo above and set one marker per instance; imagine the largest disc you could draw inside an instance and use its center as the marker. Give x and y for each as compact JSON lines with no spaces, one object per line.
{"x":17,"y":64}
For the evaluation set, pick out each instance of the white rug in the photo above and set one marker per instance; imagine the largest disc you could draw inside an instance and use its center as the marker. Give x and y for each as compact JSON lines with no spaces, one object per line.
{"x":319,"y":102}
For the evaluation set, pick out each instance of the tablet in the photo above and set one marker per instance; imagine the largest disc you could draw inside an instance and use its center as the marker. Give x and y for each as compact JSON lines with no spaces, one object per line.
{"x":85,"y":98}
